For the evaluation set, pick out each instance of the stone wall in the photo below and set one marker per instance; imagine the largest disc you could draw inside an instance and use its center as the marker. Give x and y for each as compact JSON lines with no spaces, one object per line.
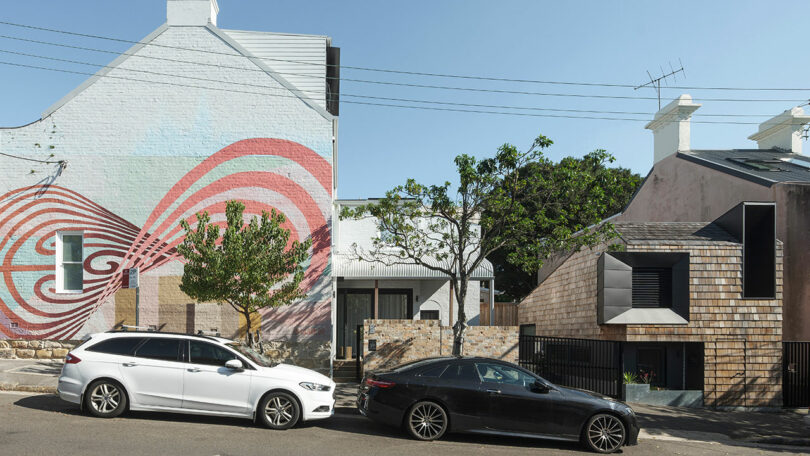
{"x":35,"y":349}
{"x":742,"y":337}
{"x":401,"y":341}
{"x":312,"y":354}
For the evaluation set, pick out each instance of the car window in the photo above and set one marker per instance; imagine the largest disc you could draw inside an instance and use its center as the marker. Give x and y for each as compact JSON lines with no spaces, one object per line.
{"x":210,"y":354}
{"x":117,"y":346}
{"x":159,"y":348}
{"x":499,"y":373}
{"x":434,"y":371}
{"x":461,"y":372}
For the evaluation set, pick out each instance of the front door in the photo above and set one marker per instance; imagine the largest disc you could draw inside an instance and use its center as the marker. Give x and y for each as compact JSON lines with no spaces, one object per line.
{"x":514,"y":405}
{"x":209,"y":385}
{"x":354,"y":306}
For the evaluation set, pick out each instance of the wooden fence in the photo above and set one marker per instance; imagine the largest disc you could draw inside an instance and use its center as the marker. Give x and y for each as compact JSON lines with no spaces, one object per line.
{"x":506,"y":314}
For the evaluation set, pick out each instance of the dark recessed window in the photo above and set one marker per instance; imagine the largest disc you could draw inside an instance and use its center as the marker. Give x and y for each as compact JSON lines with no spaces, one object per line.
{"x":429,"y":314}
{"x":759,"y":251}
{"x":652,"y":287}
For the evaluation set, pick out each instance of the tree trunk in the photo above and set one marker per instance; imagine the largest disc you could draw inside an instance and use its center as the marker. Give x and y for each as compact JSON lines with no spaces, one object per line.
{"x":460,"y":327}
{"x":248,"y":335}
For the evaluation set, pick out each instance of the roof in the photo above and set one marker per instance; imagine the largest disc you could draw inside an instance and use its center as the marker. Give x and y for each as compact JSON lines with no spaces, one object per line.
{"x":762,"y":166}
{"x":673,"y":231}
{"x":349,"y":267}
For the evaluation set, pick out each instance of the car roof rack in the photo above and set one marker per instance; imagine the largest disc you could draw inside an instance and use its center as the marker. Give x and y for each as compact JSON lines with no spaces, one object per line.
{"x":153,"y":329}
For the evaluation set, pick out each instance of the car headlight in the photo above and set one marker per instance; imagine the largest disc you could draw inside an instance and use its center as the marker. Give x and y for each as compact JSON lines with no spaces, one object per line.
{"x":314,"y":386}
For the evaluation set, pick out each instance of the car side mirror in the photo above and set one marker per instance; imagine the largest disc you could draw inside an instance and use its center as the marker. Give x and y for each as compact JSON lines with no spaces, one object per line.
{"x":234,"y":364}
{"x":540,"y":387}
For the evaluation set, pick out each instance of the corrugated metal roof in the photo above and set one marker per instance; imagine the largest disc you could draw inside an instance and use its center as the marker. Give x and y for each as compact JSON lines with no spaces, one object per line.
{"x":300,"y":59}
{"x":349,"y":267}
{"x":776,"y":165}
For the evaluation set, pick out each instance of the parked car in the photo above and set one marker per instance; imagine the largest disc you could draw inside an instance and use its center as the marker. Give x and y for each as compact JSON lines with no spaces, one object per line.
{"x":117,"y":371}
{"x":434,"y":396}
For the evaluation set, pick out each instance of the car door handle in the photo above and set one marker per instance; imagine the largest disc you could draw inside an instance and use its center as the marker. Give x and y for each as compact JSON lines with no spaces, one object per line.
{"x":129,"y":364}
{"x":194,"y":369}
{"x":493,"y":391}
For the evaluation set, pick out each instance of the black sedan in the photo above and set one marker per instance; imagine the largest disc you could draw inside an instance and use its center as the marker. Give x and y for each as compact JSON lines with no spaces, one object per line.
{"x":433,"y":396}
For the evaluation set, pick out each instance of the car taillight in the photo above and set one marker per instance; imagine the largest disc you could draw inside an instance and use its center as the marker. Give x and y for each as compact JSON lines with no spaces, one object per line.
{"x":379,"y":383}
{"x":72,"y":359}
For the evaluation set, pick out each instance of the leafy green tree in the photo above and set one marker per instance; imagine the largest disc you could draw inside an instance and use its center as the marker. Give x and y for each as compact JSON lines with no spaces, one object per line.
{"x":600,"y":192}
{"x":252,"y":266}
{"x":452,"y":230}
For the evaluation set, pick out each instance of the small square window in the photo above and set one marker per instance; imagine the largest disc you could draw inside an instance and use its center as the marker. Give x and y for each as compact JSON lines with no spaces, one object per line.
{"x":69,"y":262}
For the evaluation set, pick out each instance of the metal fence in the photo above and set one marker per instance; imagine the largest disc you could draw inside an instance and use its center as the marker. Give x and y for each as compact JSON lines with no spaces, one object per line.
{"x":796,"y":374}
{"x":594,"y":365}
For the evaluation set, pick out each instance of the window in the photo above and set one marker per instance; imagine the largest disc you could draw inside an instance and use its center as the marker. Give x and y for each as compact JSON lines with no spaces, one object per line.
{"x":652,"y":287}
{"x":159,"y":348}
{"x":651,"y":362}
{"x":759,"y":251}
{"x":118,"y":346}
{"x":434,"y":371}
{"x":461,"y":372}
{"x":210,"y":354}
{"x":499,"y":373}
{"x":429,"y":314}
{"x":69,"y":259}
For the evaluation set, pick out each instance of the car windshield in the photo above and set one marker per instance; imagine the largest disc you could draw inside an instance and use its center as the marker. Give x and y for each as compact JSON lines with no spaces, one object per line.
{"x":253,"y":355}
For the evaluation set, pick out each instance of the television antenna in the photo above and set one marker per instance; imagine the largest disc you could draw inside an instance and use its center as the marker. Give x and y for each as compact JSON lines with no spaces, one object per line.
{"x":655,"y":83}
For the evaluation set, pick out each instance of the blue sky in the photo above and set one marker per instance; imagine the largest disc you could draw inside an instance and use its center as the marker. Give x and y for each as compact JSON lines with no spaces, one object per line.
{"x":721,"y":44}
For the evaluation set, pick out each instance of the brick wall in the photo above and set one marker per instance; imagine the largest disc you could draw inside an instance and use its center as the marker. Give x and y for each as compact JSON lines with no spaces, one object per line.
{"x":742,"y":337}
{"x":401,"y":341}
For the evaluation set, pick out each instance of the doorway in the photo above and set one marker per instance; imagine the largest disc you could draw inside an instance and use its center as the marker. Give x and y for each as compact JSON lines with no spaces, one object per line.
{"x":357,"y":304}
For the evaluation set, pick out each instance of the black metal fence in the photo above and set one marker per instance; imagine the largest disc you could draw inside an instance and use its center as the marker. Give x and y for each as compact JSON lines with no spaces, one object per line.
{"x":796,"y":374}
{"x":594,"y":365}
{"x":360,"y":352}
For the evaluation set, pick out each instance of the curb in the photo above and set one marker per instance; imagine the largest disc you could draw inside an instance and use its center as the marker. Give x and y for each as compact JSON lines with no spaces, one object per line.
{"x":27,"y":388}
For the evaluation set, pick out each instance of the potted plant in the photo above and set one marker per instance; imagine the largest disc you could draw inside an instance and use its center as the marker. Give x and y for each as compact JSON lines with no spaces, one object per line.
{"x":635,"y":386}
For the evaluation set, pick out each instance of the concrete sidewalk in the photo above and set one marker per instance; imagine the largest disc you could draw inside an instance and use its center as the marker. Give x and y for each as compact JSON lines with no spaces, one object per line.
{"x":657,"y":422}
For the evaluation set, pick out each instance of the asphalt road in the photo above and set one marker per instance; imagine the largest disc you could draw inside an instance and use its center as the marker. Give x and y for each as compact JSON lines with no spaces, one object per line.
{"x":45,"y":425}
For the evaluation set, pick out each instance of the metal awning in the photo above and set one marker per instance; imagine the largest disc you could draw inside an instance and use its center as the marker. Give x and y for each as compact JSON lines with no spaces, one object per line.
{"x":350,"y":267}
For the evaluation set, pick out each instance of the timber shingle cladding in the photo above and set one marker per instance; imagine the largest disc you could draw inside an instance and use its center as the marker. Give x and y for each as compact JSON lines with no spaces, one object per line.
{"x":742,"y":337}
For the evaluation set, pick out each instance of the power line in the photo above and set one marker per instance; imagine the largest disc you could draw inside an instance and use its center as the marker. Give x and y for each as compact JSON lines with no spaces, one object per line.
{"x":404,"y":72}
{"x":409,"y":100}
{"x":428,"y":108}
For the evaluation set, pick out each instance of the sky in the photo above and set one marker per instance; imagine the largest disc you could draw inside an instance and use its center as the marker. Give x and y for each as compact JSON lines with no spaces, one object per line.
{"x":720,"y":44}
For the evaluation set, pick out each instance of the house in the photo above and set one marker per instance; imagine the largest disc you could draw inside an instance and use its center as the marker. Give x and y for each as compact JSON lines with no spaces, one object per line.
{"x":190,"y":117}
{"x":693,"y":185}
{"x":696,"y":284}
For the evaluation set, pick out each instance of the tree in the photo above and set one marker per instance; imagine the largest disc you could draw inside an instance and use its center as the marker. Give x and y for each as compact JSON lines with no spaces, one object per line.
{"x":252,"y":266}
{"x":452,"y":231}
{"x":518,"y":279}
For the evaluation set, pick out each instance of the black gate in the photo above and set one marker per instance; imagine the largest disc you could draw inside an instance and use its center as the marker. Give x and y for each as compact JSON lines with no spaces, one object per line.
{"x":796,"y":374}
{"x":360,"y":350}
{"x":594,"y":365}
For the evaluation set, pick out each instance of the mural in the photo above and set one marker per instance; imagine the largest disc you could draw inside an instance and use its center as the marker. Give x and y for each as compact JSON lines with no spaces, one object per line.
{"x":30,"y":217}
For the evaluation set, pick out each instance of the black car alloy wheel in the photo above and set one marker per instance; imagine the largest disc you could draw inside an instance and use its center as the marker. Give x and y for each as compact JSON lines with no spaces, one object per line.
{"x":426,"y":420}
{"x":604,"y":433}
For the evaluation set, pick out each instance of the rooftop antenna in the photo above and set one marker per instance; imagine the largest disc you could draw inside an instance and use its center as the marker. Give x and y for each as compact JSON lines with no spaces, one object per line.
{"x":655,"y":83}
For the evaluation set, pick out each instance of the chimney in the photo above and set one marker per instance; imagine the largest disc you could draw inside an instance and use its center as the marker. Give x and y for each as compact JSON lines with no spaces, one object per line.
{"x":670,"y":127}
{"x":783,"y":131}
{"x":191,"y":12}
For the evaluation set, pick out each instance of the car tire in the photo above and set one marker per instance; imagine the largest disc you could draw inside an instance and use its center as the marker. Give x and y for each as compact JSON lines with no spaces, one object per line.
{"x":426,"y":420}
{"x":279,"y":410}
{"x":604,"y":433}
{"x":105,"y":399}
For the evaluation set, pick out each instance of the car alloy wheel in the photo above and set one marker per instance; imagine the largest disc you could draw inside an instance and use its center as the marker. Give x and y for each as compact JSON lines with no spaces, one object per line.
{"x":427,"y":421}
{"x":106,"y":399}
{"x":605,"y":433}
{"x":279,"y":411}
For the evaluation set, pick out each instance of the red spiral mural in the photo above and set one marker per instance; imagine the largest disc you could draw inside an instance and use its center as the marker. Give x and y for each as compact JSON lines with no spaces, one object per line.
{"x":35,"y":214}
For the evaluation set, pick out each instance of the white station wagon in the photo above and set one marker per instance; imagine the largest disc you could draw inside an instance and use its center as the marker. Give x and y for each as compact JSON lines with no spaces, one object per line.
{"x":116,"y":371}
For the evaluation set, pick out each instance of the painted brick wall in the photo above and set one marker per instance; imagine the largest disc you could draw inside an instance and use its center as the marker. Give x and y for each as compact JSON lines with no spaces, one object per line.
{"x":739,"y":335}
{"x":401,"y":341}
{"x":142,"y":155}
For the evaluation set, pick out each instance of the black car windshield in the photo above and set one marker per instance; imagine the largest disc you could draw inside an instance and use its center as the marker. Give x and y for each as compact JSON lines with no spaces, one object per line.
{"x":253,"y":355}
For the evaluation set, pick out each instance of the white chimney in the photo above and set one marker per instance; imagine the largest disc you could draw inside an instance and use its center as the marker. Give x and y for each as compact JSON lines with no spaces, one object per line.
{"x":191,"y":12}
{"x":783,"y":131}
{"x":670,"y":127}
